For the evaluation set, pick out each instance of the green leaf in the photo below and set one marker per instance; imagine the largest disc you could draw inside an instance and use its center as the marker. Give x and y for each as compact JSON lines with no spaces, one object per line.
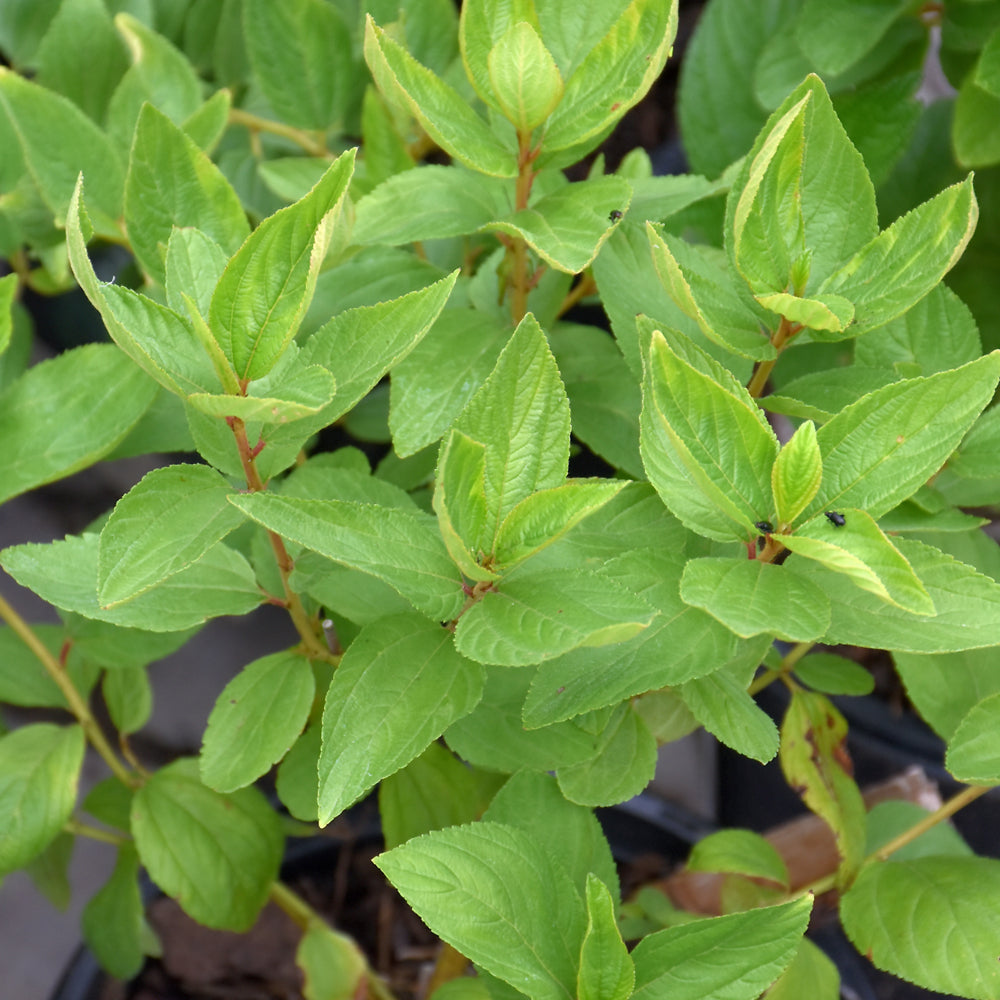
{"x":862,"y":551}
{"x":705,"y":292}
{"x":753,"y":598}
{"x":887,"y":820}
{"x":64,"y":573}
{"x":568,"y":227}
{"x":973,"y":752}
{"x":832,"y":674}
{"x":803,"y":202}
{"x":332,"y":963}
{"x":816,"y":764}
{"x":521,"y":415}
{"x":967,"y":603}
{"x":23,"y":679}
{"x":460,"y":502}
{"x":836,"y":34}
{"x":492,"y":892}
{"x":171,"y":182}
{"x":797,"y":473}
{"x":267,"y":286}
{"x":65,"y":414}
{"x":39,"y":772}
{"x":59,"y":142}
{"x":444,"y":115}
{"x":877,"y":451}
{"x":157,"y":339}
{"x":606,"y":970}
{"x":129,"y":698}
{"x":8,"y":289}
{"x":194,"y":262}
{"x":542,"y":518}
{"x":399,"y":686}
{"x":166,"y":522}
{"x":432,"y":385}
{"x":297,"y":781}
{"x":81,"y":56}
{"x":300,"y":53}
{"x":904,"y":262}
{"x":360,"y":345}
{"x":973,"y":136}
{"x":571,"y":833}
{"x":613,"y":76}
{"x":160,"y":75}
{"x":706,"y":445}
{"x":810,"y":974}
{"x":432,"y":202}
{"x":739,"y":852}
{"x":930,"y":921}
{"x":735,"y":956}
{"x":404,"y":549}
{"x":538,"y":615}
{"x":622,"y":767}
{"x":113,"y":918}
{"x":217,"y":855}
{"x":49,"y":871}
{"x":256,"y":719}
{"x":291,"y":393}
{"x":433,"y":791}
{"x":524,"y":77}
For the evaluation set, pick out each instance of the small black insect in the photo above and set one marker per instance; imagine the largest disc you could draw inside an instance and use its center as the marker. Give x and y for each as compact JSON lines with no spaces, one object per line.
{"x":764,"y":526}
{"x":837,"y":520}
{"x":615,"y":215}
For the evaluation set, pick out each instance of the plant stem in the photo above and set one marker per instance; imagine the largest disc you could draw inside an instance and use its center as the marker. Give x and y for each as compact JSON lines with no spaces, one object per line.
{"x":77,"y":705}
{"x":787,"y":666}
{"x":519,"y":249}
{"x":79,"y":829}
{"x":762,"y":372}
{"x":305,"y":916}
{"x":313,"y":644}
{"x":584,"y":287}
{"x":310,"y":143}
{"x":949,"y":808}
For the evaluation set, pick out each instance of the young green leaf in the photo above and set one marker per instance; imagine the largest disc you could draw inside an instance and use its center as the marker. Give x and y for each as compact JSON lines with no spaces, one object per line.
{"x":524,"y":77}
{"x":810,"y":974}
{"x":796,"y":474}
{"x":193,"y":263}
{"x":521,"y":415}
{"x":612,"y":77}
{"x":545,"y":516}
{"x":300,"y":52}
{"x":332,"y":964}
{"x":754,"y":598}
{"x":816,"y":764}
{"x":904,"y":262}
{"x":930,"y":921}
{"x":721,"y":704}
{"x":65,"y":414}
{"x":863,"y":552}
{"x":167,"y":521}
{"x":538,"y":615}
{"x":974,"y":750}
{"x":832,"y":674}
{"x":129,"y":698}
{"x":267,"y":286}
{"x":444,"y":114}
{"x":836,"y":34}
{"x":460,"y":502}
{"x":39,"y":771}
{"x":399,"y":686}
{"x":879,"y":450}
{"x":606,"y":970}
{"x":256,"y":719}
{"x":736,"y":956}
{"x":492,"y":892}
{"x":704,"y":291}
{"x":568,"y":227}
{"x":706,"y":446}
{"x":171,"y":182}
{"x":404,"y":549}
{"x":221,"y":582}
{"x":232,"y":845}
{"x":113,"y":918}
